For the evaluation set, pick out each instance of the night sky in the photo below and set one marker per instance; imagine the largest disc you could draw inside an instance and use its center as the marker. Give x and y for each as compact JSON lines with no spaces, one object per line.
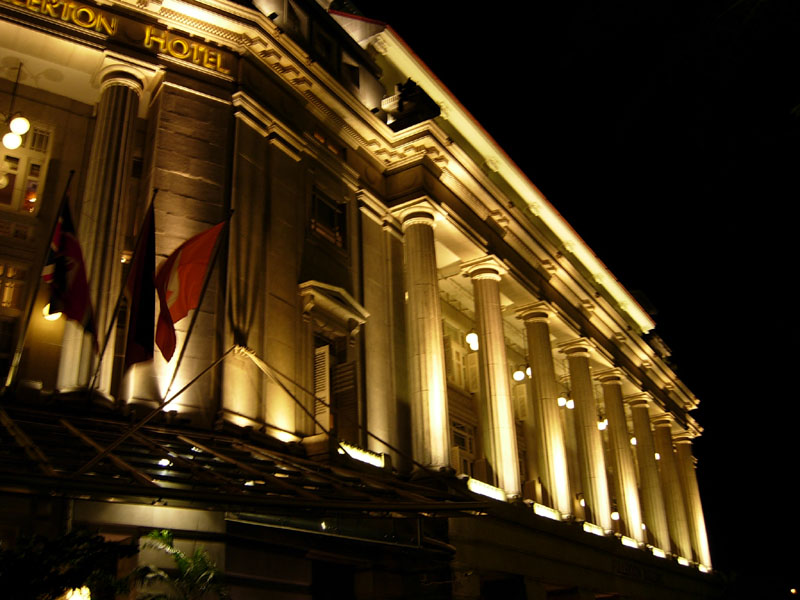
{"x":667,"y":134}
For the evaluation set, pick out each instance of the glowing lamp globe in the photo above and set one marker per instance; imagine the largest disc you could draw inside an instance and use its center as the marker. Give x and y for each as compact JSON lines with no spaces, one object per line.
{"x":19,"y":125}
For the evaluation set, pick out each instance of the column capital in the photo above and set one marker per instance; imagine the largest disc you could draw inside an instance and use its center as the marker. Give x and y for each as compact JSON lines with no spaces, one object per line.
{"x":537,"y":312}
{"x":485,"y":267}
{"x":612,"y":376}
{"x":640,"y":399}
{"x":663,"y":420}
{"x":420,"y":211}
{"x":684,"y":437}
{"x":576,"y":347}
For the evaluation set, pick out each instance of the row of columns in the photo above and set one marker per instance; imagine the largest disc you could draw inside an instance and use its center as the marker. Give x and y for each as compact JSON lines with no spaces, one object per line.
{"x":666,"y":499}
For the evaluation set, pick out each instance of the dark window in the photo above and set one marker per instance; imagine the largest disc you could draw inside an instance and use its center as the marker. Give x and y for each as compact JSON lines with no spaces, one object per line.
{"x":328,"y":219}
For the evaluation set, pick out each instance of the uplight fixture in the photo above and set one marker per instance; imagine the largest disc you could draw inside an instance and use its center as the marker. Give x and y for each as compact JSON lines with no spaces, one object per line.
{"x":48,"y":316}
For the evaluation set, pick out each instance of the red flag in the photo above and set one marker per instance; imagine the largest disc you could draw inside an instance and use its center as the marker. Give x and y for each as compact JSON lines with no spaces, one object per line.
{"x":140,"y":291}
{"x":179,"y":284}
{"x":65,"y":272}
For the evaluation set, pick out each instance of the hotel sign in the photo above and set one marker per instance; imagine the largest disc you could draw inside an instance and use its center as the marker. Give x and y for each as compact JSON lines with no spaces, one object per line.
{"x":129,"y":31}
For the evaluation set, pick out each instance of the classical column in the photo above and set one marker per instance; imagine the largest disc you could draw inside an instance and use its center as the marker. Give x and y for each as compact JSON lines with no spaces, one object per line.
{"x":485,"y":274}
{"x":590,"y":446}
{"x":102,"y":227}
{"x":694,"y":508}
{"x":655,"y":513}
{"x":621,"y":455}
{"x":671,"y":486}
{"x":428,"y":382}
{"x":547,"y":432}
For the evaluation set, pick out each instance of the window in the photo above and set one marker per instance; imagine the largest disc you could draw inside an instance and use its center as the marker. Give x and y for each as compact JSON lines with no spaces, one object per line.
{"x":328,"y":219}
{"x":12,"y":285}
{"x":462,"y":457}
{"x":23,"y":171}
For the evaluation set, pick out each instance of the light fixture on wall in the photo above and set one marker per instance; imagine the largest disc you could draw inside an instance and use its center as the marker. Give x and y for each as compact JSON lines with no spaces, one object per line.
{"x":16,"y":123}
{"x":521,"y":372}
{"x":472,"y":340}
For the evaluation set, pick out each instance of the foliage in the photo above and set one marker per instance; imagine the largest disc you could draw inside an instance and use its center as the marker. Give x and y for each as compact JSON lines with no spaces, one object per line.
{"x":38,"y":568}
{"x":196,"y":574}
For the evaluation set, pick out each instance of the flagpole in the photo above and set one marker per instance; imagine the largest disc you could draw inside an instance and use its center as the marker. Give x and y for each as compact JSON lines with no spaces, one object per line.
{"x":12,"y":371}
{"x":115,"y":314}
{"x":207,"y":278}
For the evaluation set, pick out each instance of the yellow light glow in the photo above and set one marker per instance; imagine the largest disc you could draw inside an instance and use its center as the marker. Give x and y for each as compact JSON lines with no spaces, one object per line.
{"x":582,"y":502}
{"x":629,"y":542}
{"x":602,"y":425}
{"x":518,"y":375}
{"x":704,"y":569}
{"x":633,"y":441}
{"x":592,"y":528}
{"x":82,"y":593}
{"x":472,"y":341}
{"x":528,"y":371}
{"x":644,"y":526}
{"x":546,"y":511}
{"x":562,"y":401}
{"x":570,"y":404}
{"x":12,"y":140}
{"x":19,"y":125}
{"x":484,"y":489}
{"x":365,"y":456}
{"x":683,"y":561}
{"x":793,"y":591}
{"x":658,"y":456}
{"x":615,"y":516}
{"x":50,"y":317}
{"x":658,"y":552}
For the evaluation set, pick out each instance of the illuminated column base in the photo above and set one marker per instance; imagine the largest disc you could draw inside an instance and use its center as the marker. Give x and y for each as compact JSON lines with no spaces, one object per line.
{"x":485,"y":274}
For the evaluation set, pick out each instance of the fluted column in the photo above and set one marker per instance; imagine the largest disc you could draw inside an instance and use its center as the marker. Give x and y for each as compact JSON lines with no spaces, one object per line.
{"x":547,"y":432}
{"x":485,"y":274}
{"x":102,"y":228}
{"x":621,"y":455}
{"x":671,"y":486}
{"x":428,"y":383}
{"x":655,"y":513}
{"x":694,"y":507}
{"x":590,"y":446}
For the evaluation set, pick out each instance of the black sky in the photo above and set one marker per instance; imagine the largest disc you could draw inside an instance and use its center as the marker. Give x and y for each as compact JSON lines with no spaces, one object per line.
{"x":666,"y":133}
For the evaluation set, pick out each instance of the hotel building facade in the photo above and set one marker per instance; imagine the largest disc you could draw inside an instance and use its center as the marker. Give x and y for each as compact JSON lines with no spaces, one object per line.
{"x":391,"y":289}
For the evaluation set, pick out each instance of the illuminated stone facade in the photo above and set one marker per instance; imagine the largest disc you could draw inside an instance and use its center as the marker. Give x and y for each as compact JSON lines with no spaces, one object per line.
{"x":369,"y":236}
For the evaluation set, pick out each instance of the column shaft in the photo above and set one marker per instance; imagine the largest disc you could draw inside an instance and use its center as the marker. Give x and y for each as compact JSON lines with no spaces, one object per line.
{"x":655,"y":515}
{"x":694,"y":507}
{"x":497,"y":389}
{"x":549,"y":433}
{"x":622,"y":457}
{"x":425,"y":343}
{"x":671,"y":486}
{"x":103,"y":228}
{"x":590,"y":446}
